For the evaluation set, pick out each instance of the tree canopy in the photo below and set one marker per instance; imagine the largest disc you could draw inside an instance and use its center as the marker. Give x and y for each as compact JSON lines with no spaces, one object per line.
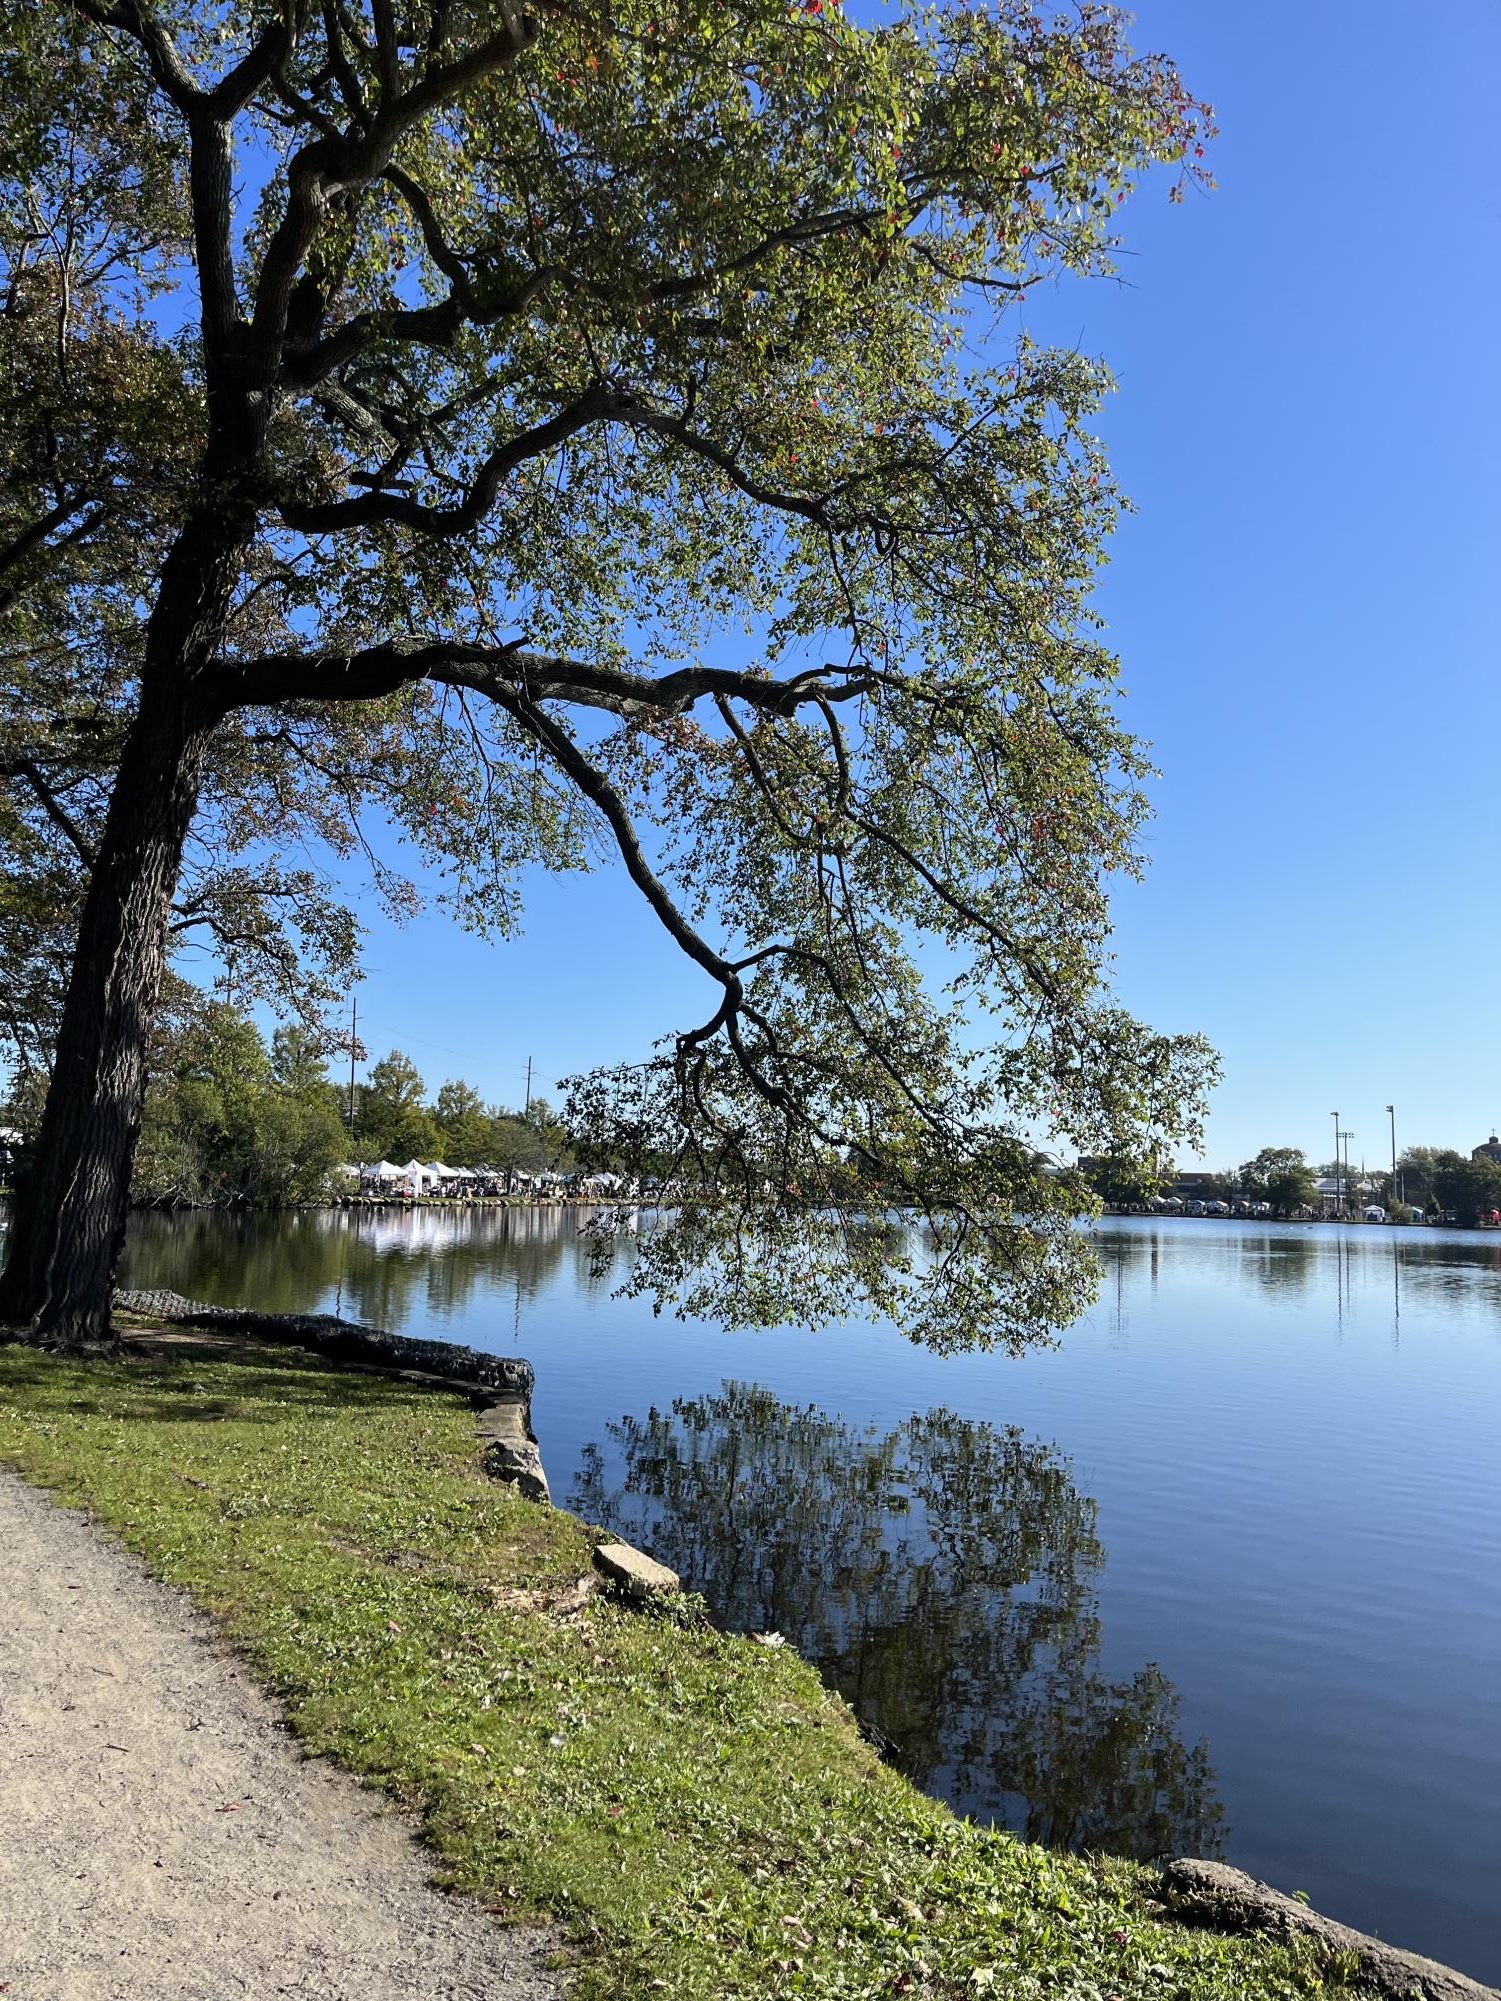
{"x":1464,"y":1186}
{"x":583,"y":432}
{"x":1279,"y":1175}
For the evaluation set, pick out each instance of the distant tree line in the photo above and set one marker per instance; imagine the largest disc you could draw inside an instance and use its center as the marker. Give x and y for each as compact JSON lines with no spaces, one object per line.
{"x":1434,"y":1180}
{"x":393,"y":1120}
{"x":233,"y":1119}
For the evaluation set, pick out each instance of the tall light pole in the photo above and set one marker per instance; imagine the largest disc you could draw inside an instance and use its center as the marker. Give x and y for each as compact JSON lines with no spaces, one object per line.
{"x":1346,"y":1137}
{"x":1392,"y":1114}
{"x":1337,"y":1203}
{"x":354,"y":1043}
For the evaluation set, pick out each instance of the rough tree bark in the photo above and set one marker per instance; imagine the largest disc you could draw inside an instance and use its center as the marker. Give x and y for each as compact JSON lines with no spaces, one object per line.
{"x":70,"y":1214}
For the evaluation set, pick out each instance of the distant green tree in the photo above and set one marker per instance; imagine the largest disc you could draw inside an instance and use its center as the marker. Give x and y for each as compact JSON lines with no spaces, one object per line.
{"x":1466,"y":1186}
{"x":229,"y":1122}
{"x":303,"y":1132}
{"x":1415,"y":1174}
{"x":392,"y":1121}
{"x":220,"y":1087}
{"x":299,"y":1065}
{"x":1121,"y":1181}
{"x":302,"y":1141}
{"x":202,"y":1132}
{"x":531,"y":1142}
{"x":463,"y":1124}
{"x":1279,"y":1175}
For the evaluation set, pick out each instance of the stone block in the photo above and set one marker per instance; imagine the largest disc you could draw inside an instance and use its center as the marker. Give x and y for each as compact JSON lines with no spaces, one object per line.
{"x":636,"y":1575}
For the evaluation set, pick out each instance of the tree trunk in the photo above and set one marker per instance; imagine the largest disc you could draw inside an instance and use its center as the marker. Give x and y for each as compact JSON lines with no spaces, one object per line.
{"x":70,"y":1214}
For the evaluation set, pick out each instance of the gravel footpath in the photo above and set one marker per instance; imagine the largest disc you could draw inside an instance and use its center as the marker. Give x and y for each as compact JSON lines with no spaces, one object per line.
{"x":160,"y":1834}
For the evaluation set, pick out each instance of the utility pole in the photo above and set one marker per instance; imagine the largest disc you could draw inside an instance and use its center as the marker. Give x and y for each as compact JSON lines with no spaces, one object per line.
{"x":1392,"y":1113}
{"x":528,"y":1112}
{"x":354,"y":1023}
{"x":1337,"y":1201}
{"x":1347,"y":1137}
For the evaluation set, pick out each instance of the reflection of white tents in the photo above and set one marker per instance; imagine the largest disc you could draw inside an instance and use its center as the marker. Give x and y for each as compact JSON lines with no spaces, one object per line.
{"x":407,"y":1232}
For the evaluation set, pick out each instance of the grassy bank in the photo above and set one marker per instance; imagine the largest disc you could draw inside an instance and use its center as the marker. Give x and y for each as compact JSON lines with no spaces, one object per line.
{"x":700,"y":1811}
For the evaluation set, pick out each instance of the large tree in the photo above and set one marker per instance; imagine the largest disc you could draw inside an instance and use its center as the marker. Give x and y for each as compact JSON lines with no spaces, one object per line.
{"x":1279,"y":1175}
{"x":582,"y":420}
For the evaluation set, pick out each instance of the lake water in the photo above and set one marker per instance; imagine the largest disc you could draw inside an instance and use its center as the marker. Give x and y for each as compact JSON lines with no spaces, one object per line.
{"x":1221,"y":1573}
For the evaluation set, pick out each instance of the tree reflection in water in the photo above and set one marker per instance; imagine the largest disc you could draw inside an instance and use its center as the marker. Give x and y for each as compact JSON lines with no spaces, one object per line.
{"x":942,"y":1577}
{"x":379,"y":1266}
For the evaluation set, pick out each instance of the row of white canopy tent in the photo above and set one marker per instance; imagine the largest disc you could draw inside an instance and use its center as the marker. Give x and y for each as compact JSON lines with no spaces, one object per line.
{"x":418,"y":1176}
{"x":416,"y":1173}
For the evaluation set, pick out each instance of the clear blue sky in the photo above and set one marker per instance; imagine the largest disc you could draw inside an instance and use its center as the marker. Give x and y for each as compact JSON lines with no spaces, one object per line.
{"x":1308,"y":421}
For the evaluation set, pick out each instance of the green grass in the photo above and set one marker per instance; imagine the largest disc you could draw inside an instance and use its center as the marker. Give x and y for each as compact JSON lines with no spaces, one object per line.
{"x":699,"y":1810}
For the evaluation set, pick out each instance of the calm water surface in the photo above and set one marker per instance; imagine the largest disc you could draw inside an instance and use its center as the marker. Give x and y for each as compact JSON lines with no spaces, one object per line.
{"x":1221,"y":1573}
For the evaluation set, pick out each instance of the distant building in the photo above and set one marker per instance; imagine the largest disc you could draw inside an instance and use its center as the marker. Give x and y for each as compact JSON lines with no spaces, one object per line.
{"x":1490,"y":1151}
{"x":1341,"y":1194}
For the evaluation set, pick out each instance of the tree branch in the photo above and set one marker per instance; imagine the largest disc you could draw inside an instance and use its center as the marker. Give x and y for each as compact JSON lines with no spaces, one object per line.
{"x":509,"y":673}
{"x":53,"y":807}
{"x":327,"y":517}
{"x":235,"y":89}
{"x":165,"y":63}
{"x":324,"y":168}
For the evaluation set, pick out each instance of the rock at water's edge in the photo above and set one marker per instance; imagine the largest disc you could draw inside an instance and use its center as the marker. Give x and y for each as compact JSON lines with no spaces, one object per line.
{"x":1212,"y":1893}
{"x":510,"y":1450}
{"x":637,"y":1575}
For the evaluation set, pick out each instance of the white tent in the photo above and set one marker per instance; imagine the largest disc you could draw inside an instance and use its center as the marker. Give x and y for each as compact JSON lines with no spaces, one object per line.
{"x":417,"y":1174}
{"x":386,"y":1170}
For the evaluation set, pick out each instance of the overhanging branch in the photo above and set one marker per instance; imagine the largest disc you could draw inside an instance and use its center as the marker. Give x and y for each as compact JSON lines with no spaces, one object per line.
{"x":509,"y":673}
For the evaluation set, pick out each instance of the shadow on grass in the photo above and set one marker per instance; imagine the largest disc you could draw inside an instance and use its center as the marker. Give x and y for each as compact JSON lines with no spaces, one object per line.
{"x":171,"y":1379}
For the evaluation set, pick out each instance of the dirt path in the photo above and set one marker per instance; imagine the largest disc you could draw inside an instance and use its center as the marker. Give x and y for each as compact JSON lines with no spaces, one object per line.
{"x":160,"y":1834}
